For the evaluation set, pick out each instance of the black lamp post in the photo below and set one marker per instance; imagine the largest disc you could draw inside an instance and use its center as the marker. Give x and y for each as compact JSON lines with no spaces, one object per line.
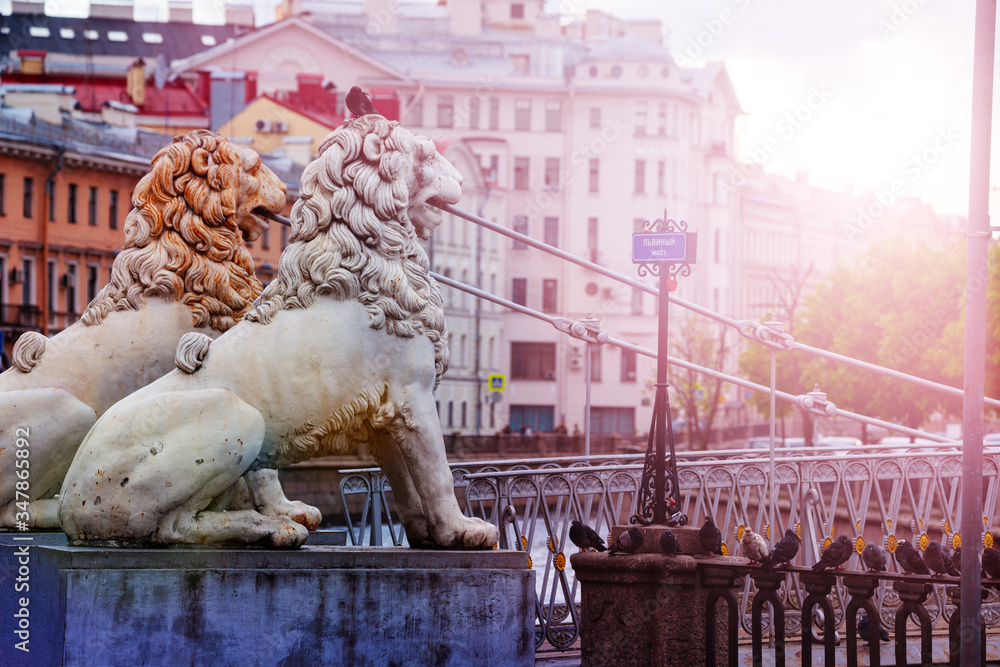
{"x":664,"y":249}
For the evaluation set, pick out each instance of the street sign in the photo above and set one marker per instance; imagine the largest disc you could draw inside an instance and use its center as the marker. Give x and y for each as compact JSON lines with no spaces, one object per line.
{"x":665,"y":247}
{"x":497,"y":382}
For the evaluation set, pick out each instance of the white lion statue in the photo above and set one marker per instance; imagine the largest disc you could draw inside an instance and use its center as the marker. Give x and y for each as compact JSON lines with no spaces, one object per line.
{"x":344,"y":347}
{"x":183,"y":268}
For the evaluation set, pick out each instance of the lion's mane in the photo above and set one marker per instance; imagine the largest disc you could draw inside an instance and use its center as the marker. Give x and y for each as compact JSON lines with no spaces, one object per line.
{"x":182,"y":241}
{"x":352,"y":239}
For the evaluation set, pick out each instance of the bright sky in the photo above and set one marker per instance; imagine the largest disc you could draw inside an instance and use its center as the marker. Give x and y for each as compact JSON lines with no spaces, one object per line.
{"x":858,"y":93}
{"x":882,"y":88}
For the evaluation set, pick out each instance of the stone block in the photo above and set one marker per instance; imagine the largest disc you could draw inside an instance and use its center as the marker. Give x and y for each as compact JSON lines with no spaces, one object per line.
{"x":311,"y":606}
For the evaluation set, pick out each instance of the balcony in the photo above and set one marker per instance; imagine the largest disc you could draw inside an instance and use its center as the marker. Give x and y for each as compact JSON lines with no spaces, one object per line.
{"x":20,"y":318}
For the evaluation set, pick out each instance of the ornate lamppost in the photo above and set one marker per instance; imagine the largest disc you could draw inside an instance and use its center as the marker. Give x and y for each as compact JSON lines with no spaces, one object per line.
{"x":665,"y":249}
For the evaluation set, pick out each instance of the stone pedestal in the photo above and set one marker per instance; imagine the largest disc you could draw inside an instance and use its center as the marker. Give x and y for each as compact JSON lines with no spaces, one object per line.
{"x":648,"y":608}
{"x":312,"y":606}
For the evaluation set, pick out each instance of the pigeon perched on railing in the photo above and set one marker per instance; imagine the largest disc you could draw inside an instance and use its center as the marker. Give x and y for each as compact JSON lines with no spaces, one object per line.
{"x":934,"y":558}
{"x":628,"y":542}
{"x":669,"y":543}
{"x":863,"y":627}
{"x":710,"y":537}
{"x":948,"y":556}
{"x":754,"y":546}
{"x":874,"y":557}
{"x":909,"y":559}
{"x":835,"y":555}
{"x":783,"y":551}
{"x":585,"y":537}
{"x":991,"y":563}
{"x":358,"y":102}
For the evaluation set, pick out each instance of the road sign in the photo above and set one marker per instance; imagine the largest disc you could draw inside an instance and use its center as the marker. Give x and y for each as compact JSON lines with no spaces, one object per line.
{"x":497,"y":382}
{"x":665,"y":247}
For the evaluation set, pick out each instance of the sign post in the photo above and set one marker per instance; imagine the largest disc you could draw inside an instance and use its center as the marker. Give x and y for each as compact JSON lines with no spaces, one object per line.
{"x":664,"y":249}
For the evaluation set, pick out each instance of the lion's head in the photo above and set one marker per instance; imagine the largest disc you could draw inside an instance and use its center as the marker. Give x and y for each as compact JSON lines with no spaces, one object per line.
{"x":363,"y":204}
{"x":184,"y":238}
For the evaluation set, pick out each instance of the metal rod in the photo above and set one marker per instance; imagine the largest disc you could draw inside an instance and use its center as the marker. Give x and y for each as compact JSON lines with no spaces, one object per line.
{"x":975,"y":331}
{"x":660,"y":407}
{"x":728,"y":321}
{"x":586,"y":408}
{"x":773,"y":536}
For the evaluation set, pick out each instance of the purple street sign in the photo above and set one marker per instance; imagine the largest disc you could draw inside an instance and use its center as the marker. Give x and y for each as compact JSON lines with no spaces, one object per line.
{"x":668,"y":247}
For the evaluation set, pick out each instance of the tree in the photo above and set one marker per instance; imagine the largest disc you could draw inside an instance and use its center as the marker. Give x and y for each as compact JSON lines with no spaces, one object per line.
{"x":695,"y":395}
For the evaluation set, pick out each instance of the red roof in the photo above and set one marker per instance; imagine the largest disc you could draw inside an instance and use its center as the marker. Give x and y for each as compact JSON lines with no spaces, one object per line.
{"x":176,"y":98}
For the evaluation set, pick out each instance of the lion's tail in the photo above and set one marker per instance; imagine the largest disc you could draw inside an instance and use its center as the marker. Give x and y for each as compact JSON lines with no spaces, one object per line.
{"x":192,"y":349}
{"x":28,"y":351}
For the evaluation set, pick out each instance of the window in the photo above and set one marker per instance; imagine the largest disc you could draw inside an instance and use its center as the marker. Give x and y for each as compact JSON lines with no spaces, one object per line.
{"x":117,"y":36}
{"x":519,"y":291}
{"x":451,"y":413}
{"x":27,"y":288}
{"x":113,"y":209}
{"x":538,"y":417}
{"x":445,"y":111}
{"x":38,"y":31}
{"x":465,"y":409}
{"x":152,"y":38}
{"x":521,"y":62}
{"x":521,"y":173}
{"x":715,"y":299}
{"x":661,"y":119}
{"x":50,"y":190}
{"x":461,"y":348}
{"x":284,"y":237}
{"x":415,"y":116}
{"x":595,"y":363}
{"x":592,"y":239}
{"x":640,"y":177}
{"x":71,"y":204}
{"x":29,"y":197}
{"x":490,"y":172}
{"x":661,"y":170}
{"x":595,"y":174}
{"x":718,"y":245}
{"x":71,"y":288}
{"x":533,"y":361}
{"x":91,"y":35}
{"x":553,"y":116}
{"x":474,"y":113}
{"x":551,"y":173}
{"x":628,"y":366}
{"x":551,"y":231}
{"x":517,"y":10}
{"x":550,"y":297}
{"x":91,"y":282}
{"x":3,"y":194}
{"x":494,"y":113}
{"x":92,"y":206}
{"x":522,"y":114}
{"x":608,"y":421}
{"x":67,"y":33}
{"x":265,"y":239}
{"x":636,"y":301}
{"x":520,"y":225}
{"x":595,"y":117}
{"x":50,"y":277}
{"x":3,"y":287}
{"x":208,"y":40}
{"x":640,"y":118}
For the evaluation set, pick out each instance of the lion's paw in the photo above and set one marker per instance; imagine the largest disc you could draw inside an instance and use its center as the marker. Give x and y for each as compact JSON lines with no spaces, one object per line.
{"x":288,"y":534}
{"x":297,"y":511}
{"x":466,"y":533}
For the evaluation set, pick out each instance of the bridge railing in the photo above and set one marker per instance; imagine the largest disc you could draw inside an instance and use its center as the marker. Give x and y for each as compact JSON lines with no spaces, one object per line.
{"x":872,"y":494}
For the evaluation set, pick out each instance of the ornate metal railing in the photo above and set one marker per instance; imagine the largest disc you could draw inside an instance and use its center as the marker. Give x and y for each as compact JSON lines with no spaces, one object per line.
{"x":878,"y":493}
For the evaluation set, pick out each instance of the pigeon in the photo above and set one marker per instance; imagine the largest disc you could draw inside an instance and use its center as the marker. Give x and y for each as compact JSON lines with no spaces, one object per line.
{"x":585,"y":537}
{"x":909,"y":559}
{"x":628,"y":542}
{"x":358,"y":102}
{"x":782,"y":552}
{"x":754,"y":546}
{"x":949,"y":561}
{"x":991,"y":563}
{"x":956,"y":561}
{"x":863,"y":629}
{"x":711,"y":537}
{"x":668,"y":543}
{"x":875,"y":557}
{"x":835,"y":555}
{"x":934,"y":558}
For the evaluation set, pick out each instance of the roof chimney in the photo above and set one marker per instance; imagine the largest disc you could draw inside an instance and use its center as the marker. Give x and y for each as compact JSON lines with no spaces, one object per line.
{"x":135,"y":82}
